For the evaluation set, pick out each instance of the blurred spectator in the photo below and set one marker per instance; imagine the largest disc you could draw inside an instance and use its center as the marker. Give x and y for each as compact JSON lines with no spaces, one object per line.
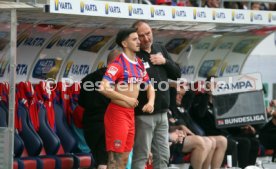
{"x":272,"y":7}
{"x":255,"y":6}
{"x":268,"y":132}
{"x":199,"y":148}
{"x":242,"y":5}
{"x":163,"y":2}
{"x":219,"y":143}
{"x":232,"y":5}
{"x":246,"y":136}
{"x":177,"y":2}
{"x":212,"y":3}
{"x":187,"y":3}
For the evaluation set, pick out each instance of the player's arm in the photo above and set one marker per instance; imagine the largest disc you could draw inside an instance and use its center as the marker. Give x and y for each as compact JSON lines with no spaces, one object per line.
{"x":107,"y":90}
{"x":149,"y":107}
{"x":113,"y":72}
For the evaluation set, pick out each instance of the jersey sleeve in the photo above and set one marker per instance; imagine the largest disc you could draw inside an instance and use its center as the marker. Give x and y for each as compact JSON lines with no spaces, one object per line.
{"x":113,"y":72}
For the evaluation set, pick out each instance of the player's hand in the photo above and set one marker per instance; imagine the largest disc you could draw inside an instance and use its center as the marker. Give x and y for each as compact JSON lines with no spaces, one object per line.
{"x":181,"y":136}
{"x":148,"y":108}
{"x":132,"y":102}
{"x":150,"y":158}
{"x":157,"y":59}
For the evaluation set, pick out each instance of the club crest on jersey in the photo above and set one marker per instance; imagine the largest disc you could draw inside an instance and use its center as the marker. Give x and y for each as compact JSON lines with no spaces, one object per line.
{"x":112,"y":70}
{"x":117,"y":143}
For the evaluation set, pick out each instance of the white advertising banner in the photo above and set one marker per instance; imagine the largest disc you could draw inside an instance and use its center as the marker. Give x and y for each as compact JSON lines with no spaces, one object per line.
{"x":55,"y":53}
{"x":159,"y":12}
{"x":29,"y":44}
{"x":82,"y":59}
{"x":238,"y":84}
{"x":213,"y":61}
{"x":234,"y":61}
{"x":198,"y":49}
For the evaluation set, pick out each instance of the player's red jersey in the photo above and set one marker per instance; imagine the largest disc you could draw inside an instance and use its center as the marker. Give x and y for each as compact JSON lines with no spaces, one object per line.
{"x":122,"y":69}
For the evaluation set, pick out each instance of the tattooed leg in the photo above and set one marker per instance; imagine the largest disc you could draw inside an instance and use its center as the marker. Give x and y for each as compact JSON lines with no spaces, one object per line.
{"x":125,"y":158}
{"x":117,"y":160}
{"x":114,"y":160}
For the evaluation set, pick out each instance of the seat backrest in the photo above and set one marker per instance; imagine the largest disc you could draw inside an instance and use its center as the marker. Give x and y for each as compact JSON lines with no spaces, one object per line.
{"x":49,"y":138}
{"x":32,"y":141}
{"x":3,"y":105}
{"x":18,"y":142}
{"x":18,"y":145}
{"x":46,"y":98}
{"x":67,"y":139}
{"x":3,"y":115}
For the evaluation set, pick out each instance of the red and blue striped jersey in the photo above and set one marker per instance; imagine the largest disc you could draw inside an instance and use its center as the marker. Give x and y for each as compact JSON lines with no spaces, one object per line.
{"x":124,"y":70}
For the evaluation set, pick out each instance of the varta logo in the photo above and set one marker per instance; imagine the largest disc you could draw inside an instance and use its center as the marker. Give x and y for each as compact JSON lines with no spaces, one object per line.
{"x":112,"y":9}
{"x":258,"y":17}
{"x":62,"y":5}
{"x":80,"y":69}
{"x":271,"y":17}
{"x":152,"y":12}
{"x":34,"y":41}
{"x":219,"y":15}
{"x":232,"y":69}
{"x":66,"y":43}
{"x":88,"y":7}
{"x":56,"y":5}
{"x":188,"y":70}
{"x":181,"y":13}
{"x":160,"y":12}
{"x":199,"y":14}
{"x":21,"y":69}
{"x":178,"y":13}
{"x":136,"y":11}
{"x":157,"y":12}
{"x":239,"y":16}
